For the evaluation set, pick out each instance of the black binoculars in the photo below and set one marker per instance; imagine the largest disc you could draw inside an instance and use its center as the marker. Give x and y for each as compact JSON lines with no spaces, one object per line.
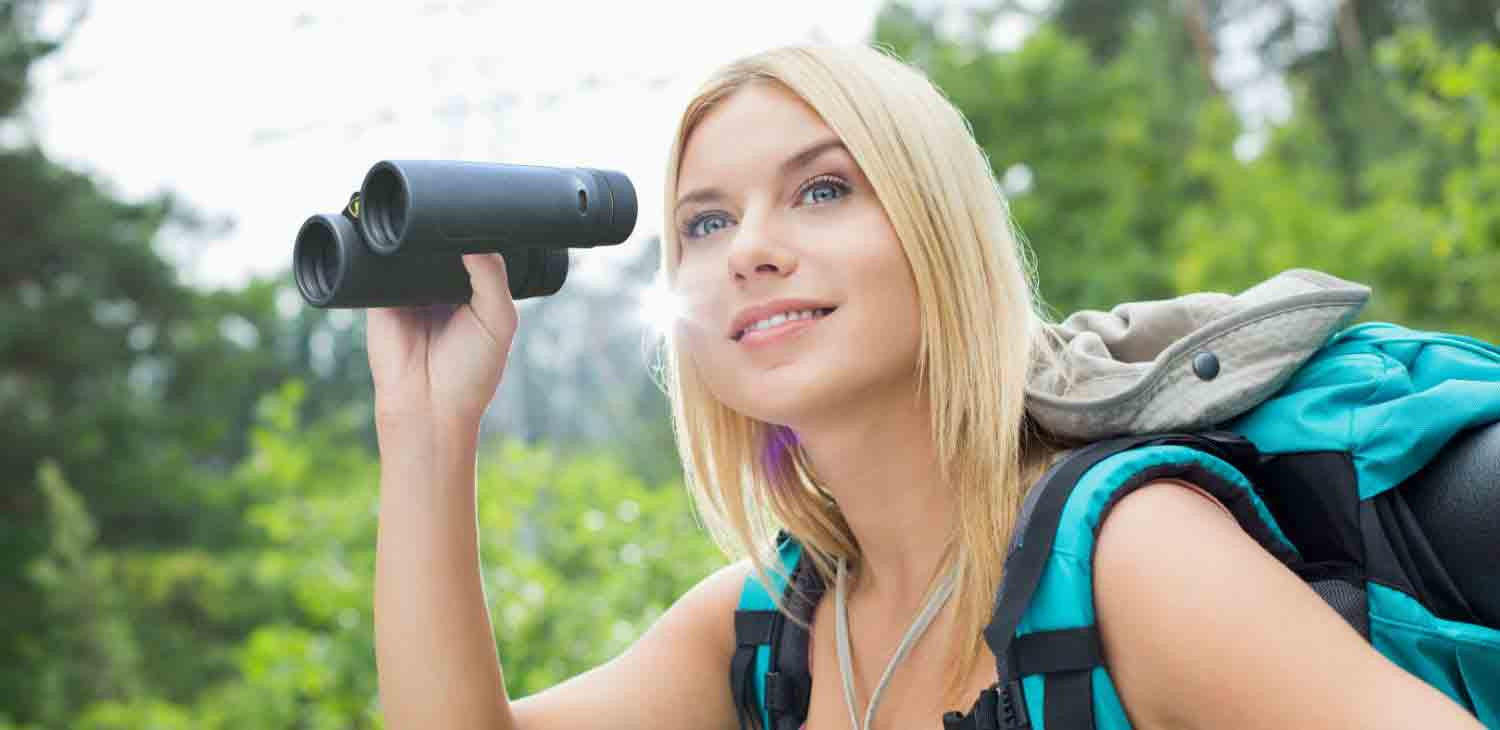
{"x":400,"y":239}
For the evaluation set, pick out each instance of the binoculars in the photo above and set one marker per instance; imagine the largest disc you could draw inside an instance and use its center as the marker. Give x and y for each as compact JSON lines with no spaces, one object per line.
{"x":400,"y":239}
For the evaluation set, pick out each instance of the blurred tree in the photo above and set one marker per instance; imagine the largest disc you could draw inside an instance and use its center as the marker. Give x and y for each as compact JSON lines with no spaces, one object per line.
{"x":579,"y":558}
{"x":137,"y":388}
{"x":1089,"y":152}
{"x":1427,"y":232}
{"x":581,"y":374}
{"x":85,"y":650}
{"x":1323,"y":45}
{"x":1361,"y":122}
{"x":1129,"y":158}
{"x":78,"y":271}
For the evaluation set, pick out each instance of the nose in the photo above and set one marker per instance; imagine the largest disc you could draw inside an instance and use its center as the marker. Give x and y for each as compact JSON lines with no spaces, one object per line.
{"x":756,"y":252}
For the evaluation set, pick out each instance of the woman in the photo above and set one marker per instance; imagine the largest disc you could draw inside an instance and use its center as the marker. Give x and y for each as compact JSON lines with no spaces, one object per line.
{"x":881,"y":422}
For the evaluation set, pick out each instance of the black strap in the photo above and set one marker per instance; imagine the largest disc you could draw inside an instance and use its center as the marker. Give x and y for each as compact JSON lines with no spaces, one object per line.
{"x":751,"y":629}
{"x":783,"y":701}
{"x":742,"y":686}
{"x":1068,"y":701}
{"x":1001,"y":707}
{"x":788,"y":683}
{"x":1066,"y":650}
{"x":1067,"y":704}
{"x":789,"y":675}
{"x":1066,"y":657}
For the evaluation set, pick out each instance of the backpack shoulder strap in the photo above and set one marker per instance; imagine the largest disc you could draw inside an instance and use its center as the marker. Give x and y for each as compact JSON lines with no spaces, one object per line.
{"x":1046,"y":664}
{"x":768,"y":674}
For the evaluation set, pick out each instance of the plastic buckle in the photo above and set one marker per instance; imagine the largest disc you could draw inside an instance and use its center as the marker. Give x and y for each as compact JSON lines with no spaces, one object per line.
{"x":1011,"y":707}
{"x":986,"y":714}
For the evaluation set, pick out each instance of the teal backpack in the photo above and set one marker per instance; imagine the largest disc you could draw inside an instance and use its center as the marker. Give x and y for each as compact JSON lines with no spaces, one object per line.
{"x":1371,"y":470}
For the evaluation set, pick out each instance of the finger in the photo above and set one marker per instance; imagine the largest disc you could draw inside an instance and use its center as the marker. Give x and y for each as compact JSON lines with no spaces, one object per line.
{"x":491,"y":300}
{"x":389,"y":333}
{"x":382,"y":322}
{"x":392,"y":321}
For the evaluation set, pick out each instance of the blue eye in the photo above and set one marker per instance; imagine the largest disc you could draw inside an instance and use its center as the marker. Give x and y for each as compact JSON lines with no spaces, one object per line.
{"x":692,"y":229}
{"x":826,"y":183}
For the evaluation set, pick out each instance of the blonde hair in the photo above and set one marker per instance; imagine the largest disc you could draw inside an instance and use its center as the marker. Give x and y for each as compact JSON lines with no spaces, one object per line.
{"x":980,"y":333}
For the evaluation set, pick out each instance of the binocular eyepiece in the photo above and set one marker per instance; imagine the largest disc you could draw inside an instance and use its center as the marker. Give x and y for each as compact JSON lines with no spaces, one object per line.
{"x":400,"y":239}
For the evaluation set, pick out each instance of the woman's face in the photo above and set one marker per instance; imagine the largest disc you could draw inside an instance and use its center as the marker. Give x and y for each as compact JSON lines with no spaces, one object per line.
{"x":761,"y":224}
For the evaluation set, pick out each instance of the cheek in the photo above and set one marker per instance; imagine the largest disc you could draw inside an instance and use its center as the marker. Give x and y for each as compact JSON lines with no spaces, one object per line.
{"x":893,"y":307}
{"x":705,"y":356}
{"x":699,"y":330}
{"x":702,"y":347}
{"x":692,"y":341}
{"x":693,"y":304}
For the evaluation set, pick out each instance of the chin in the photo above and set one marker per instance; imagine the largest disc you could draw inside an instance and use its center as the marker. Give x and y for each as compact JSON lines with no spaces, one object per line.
{"x":786,"y":404}
{"x":777,"y":412}
{"x":794,"y":392}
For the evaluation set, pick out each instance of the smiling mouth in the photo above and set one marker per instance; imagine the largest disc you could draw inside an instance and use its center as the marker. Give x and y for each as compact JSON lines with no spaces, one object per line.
{"x":820,"y":314}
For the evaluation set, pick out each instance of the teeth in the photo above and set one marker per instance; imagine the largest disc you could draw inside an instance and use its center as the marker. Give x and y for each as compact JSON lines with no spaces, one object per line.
{"x":783,"y":318}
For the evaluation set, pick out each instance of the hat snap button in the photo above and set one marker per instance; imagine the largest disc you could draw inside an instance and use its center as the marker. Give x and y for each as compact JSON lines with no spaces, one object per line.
{"x":1206,"y":365}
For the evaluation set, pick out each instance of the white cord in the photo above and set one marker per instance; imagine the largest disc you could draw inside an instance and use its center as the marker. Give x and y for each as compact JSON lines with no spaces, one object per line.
{"x":914,"y":632}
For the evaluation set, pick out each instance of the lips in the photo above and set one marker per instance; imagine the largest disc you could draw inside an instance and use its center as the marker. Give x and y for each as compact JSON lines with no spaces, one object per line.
{"x":752,"y":333}
{"x":751,"y":315}
{"x":756,"y":336}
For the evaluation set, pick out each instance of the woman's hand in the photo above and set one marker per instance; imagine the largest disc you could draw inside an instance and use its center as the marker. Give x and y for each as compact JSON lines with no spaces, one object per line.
{"x":443,"y":361}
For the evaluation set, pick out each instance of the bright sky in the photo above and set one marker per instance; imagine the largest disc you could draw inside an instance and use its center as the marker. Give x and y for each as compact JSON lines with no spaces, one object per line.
{"x":267,"y":112}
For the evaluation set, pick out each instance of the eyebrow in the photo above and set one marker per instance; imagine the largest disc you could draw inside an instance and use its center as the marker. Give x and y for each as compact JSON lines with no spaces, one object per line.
{"x":807,"y":155}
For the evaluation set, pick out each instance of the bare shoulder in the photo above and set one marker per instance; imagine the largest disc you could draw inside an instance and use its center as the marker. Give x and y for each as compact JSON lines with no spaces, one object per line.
{"x":707,"y":610}
{"x":713,"y":601}
{"x":1202,"y":627}
{"x":675,"y":677}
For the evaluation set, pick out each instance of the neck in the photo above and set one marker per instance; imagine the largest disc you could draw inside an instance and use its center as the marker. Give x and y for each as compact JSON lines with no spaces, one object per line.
{"x":881,"y":465}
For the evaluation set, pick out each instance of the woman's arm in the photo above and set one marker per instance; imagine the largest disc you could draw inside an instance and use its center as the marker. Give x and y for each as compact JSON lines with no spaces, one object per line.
{"x":434,"y":653}
{"x":435,"y":650}
{"x":1202,"y":628}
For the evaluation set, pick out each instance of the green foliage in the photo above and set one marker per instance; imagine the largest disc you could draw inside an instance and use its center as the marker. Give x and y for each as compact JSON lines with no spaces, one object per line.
{"x":276,"y":631}
{"x":580,"y":558}
{"x":145,"y":714}
{"x":141,"y":391}
{"x":1136,"y":190}
{"x":585,"y":557}
{"x":18,"y":49}
{"x":189,"y":531}
{"x":1426,"y":234}
{"x":84,"y":649}
{"x":1101,"y":143}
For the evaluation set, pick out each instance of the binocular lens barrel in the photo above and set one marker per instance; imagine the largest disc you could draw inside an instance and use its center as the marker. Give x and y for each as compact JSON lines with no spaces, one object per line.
{"x":447,"y":206}
{"x":402,"y":243}
{"x":334,"y":268}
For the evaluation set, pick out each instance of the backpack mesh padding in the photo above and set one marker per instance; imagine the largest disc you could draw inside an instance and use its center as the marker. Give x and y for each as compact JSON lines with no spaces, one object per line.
{"x":1348,"y":599}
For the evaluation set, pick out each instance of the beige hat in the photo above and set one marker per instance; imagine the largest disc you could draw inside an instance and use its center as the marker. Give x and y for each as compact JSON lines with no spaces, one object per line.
{"x":1187,"y":363}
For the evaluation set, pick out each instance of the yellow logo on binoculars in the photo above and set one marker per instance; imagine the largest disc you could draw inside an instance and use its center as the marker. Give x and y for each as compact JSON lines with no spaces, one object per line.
{"x":352,"y":209}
